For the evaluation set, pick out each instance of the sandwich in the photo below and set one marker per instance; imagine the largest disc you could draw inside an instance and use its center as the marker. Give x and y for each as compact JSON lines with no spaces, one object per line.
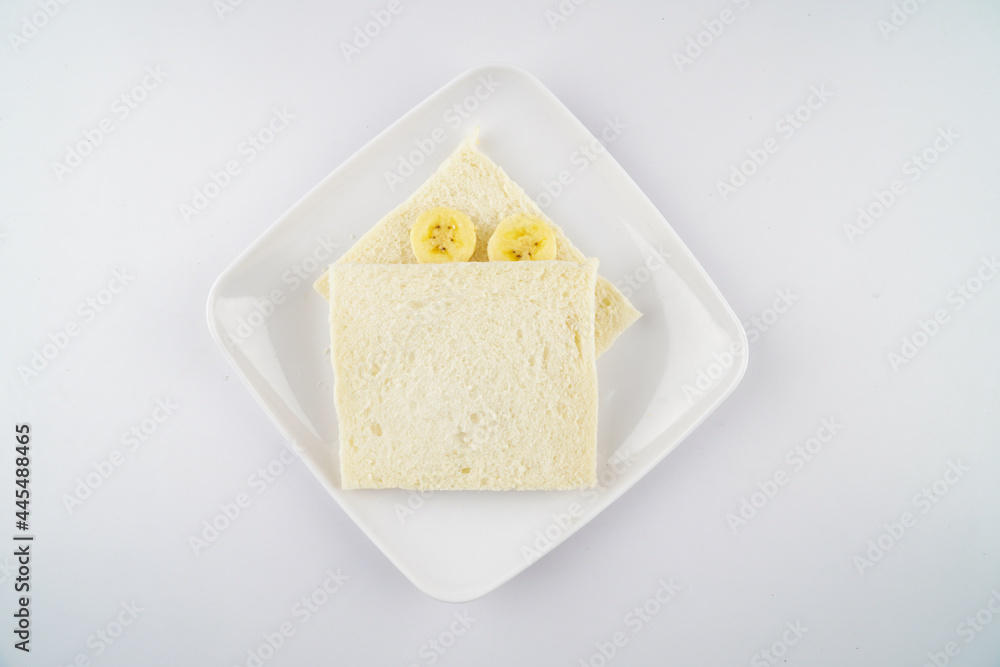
{"x":465,"y":328}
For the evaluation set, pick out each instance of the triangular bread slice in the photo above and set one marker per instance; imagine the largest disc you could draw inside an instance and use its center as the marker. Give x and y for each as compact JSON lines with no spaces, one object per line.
{"x":472,"y":183}
{"x":467,"y":375}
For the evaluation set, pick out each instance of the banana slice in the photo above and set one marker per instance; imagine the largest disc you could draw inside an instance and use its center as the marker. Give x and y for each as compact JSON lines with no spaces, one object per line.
{"x":443,"y":234}
{"x":522,"y":236}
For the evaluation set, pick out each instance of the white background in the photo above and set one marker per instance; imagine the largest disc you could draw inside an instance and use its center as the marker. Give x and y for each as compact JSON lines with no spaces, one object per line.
{"x":895,"y":78}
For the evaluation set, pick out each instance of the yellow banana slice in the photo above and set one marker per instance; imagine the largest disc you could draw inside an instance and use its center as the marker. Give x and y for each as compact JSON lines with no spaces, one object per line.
{"x":443,"y":234}
{"x":522,"y":237}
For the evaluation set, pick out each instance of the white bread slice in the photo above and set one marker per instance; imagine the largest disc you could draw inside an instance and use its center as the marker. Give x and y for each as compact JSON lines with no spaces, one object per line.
{"x":472,"y":183}
{"x":468,"y":375}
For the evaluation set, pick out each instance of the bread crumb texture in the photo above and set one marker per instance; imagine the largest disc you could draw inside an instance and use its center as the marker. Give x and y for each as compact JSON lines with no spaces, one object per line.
{"x":469,"y":375}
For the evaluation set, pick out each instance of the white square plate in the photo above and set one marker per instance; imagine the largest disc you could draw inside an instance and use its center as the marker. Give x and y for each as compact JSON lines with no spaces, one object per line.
{"x":662,"y":377}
